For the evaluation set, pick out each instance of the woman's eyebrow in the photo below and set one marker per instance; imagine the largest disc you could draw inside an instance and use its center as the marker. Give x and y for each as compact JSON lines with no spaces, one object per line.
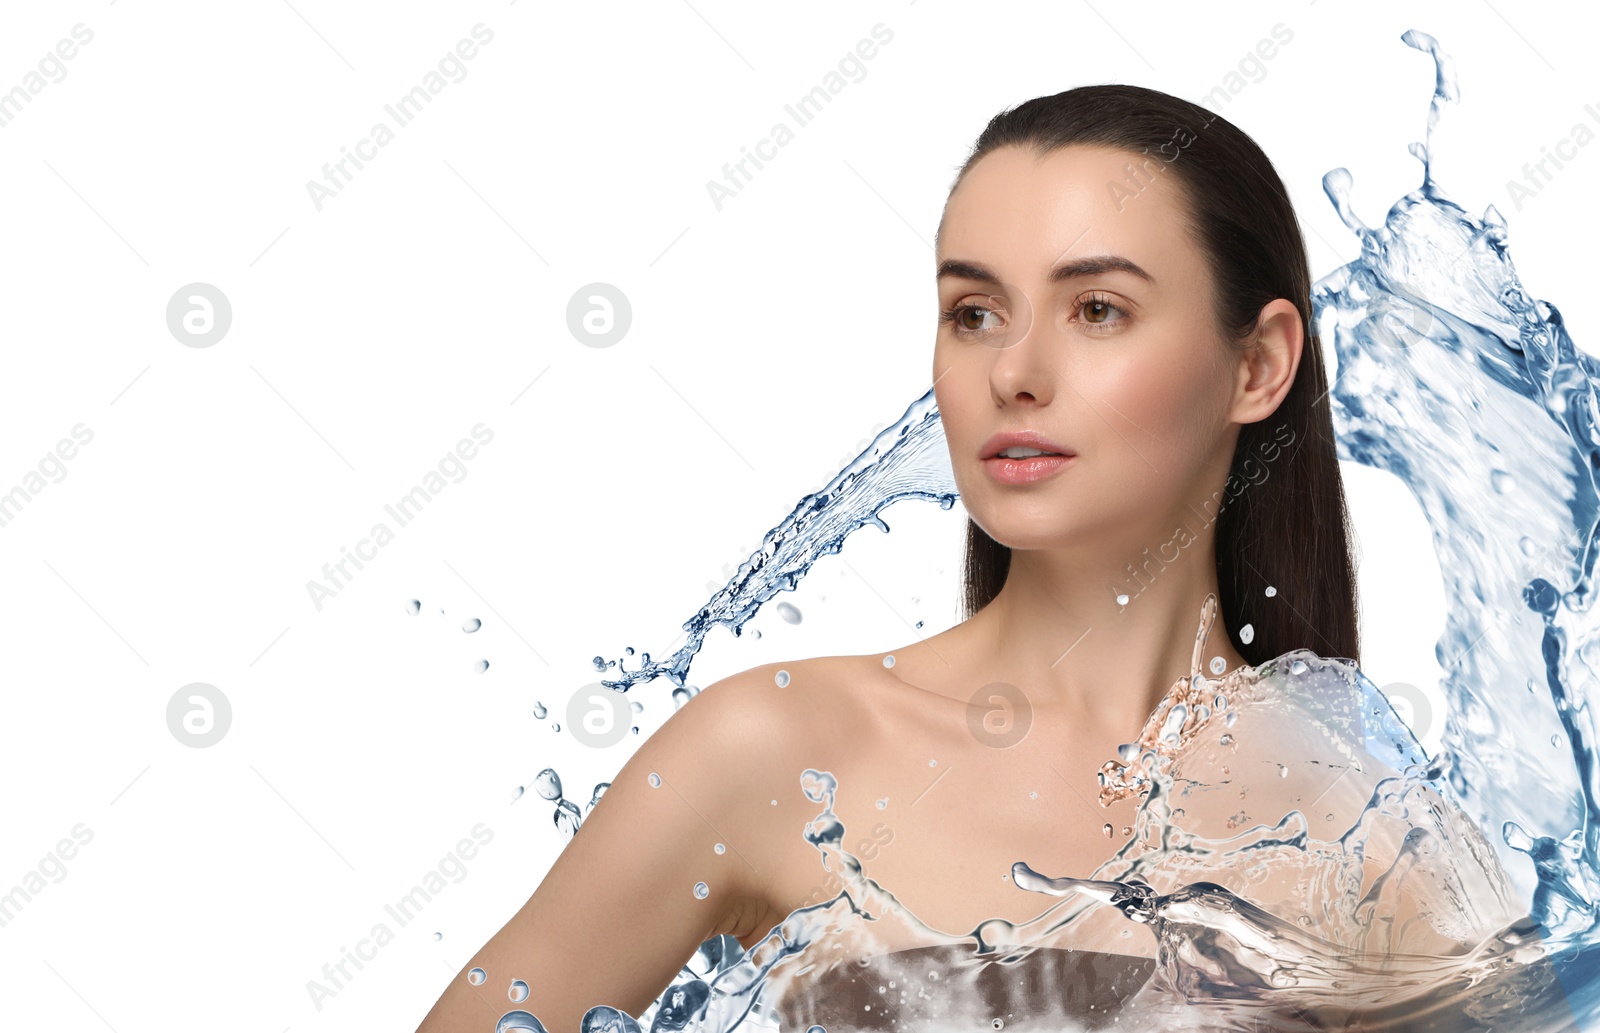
{"x":1090,"y":266}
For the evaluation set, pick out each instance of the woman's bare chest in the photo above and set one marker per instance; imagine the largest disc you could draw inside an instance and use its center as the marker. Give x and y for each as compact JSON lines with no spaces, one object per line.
{"x":939,"y":834}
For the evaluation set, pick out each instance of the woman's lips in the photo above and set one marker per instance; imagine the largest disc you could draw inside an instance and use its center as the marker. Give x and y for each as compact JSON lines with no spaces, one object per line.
{"x":1025,"y":471}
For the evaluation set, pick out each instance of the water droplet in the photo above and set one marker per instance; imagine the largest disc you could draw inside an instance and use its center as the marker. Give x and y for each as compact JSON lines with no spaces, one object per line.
{"x":1304,"y":920}
{"x":548,"y":784}
{"x":1107,"y":830}
{"x":1218,"y":665}
{"x":1298,"y":667}
{"x":1247,"y":634}
{"x":883,"y":803}
{"x":555,"y":726}
{"x":1503,"y":482}
{"x":1127,"y":830}
{"x":414,"y":607}
{"x":518,"y":991}
{"x":919,"y":625}
{"x":790,"y":613}
{"x":471,"y":624}
{"x":1271,"y":591}
{"x":1122,"y":600}
{"x":539,"y":710}
{"x":481,"y":666}
{"x":933,"y":763}
{"x":1283,"y":772}
{"x":1555,"y":740}
{"x":774,"y":803}
{"x":516,"y":794}
{"x":719,"y":848}
{"x":599,"y":663}
{"x":1226,"y":740}
{"x":438,"y":936}
{"x":755,"y":633}
{"x":701,"y":890}
{"x":1172,"y":729}
{"x":782,"y":678}
{"x":1329,"y":817}
{"x":1127,"y":933}
{"x":998,"y":1023}
{"x":888,"y":661}
{"x":477,"y":976}
{"x":654,"y":780}
{"x":636,"y":707}
{"x":1232,"y":718}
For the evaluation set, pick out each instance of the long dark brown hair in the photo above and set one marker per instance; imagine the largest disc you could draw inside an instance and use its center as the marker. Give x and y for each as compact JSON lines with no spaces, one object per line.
{"x":1288,"y":529}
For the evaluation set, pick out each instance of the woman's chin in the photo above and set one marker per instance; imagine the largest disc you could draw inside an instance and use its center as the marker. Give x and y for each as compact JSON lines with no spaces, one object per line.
{"x":1016,"y":536}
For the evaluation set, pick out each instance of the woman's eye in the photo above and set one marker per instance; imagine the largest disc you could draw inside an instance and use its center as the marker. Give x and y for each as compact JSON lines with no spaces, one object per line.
{"x":986,"y":319}
{"x":1097,"y":311}
{"x":970,"y":319}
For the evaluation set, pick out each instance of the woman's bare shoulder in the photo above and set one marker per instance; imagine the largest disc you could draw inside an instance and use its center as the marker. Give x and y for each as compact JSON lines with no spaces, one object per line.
{"x":749,"y":740}
{"x":786,"y":705}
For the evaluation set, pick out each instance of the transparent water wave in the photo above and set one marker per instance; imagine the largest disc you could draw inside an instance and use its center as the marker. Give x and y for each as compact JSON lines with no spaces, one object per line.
{"x":1364,"y":880}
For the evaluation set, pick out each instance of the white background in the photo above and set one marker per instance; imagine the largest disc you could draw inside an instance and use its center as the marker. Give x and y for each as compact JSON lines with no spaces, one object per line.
{"x":768,"y":341}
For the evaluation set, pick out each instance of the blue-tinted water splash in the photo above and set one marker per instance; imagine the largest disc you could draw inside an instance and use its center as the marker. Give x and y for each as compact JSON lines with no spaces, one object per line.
{"x":1453,"y":378}
{"x":906,"y":461}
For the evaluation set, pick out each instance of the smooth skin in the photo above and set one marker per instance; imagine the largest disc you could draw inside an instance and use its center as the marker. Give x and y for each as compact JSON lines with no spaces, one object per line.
{"x":1128,"y":372}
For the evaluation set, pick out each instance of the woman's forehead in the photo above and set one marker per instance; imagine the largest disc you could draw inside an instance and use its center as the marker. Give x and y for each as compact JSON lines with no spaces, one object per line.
{"x":1030,"y":212}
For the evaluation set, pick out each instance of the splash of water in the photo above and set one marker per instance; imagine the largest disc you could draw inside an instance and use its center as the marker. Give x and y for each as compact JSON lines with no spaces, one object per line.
{"x":906,"y":461}
{"x":1461,"y":890}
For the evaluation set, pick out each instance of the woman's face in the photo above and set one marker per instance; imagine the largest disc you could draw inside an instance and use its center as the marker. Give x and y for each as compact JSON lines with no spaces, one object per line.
{"x":1120,"y":367}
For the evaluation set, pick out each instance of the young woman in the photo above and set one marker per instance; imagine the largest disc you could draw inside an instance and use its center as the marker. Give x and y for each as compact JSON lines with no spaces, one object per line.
{"x":1137,"y":417}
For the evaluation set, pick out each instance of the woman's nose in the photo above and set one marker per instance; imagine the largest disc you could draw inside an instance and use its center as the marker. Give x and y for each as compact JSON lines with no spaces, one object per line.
{"x":1023,"y":369}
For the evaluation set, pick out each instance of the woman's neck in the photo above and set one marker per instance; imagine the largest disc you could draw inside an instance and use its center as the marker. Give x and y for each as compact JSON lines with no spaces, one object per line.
{"x":1061,"y":634}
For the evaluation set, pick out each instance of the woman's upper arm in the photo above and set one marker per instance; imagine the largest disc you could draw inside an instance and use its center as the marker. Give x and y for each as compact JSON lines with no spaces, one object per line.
{"x":616,"y":917}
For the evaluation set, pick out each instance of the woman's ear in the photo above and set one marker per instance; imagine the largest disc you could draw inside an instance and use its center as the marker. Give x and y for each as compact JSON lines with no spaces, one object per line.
{"x":1267,"y":368}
